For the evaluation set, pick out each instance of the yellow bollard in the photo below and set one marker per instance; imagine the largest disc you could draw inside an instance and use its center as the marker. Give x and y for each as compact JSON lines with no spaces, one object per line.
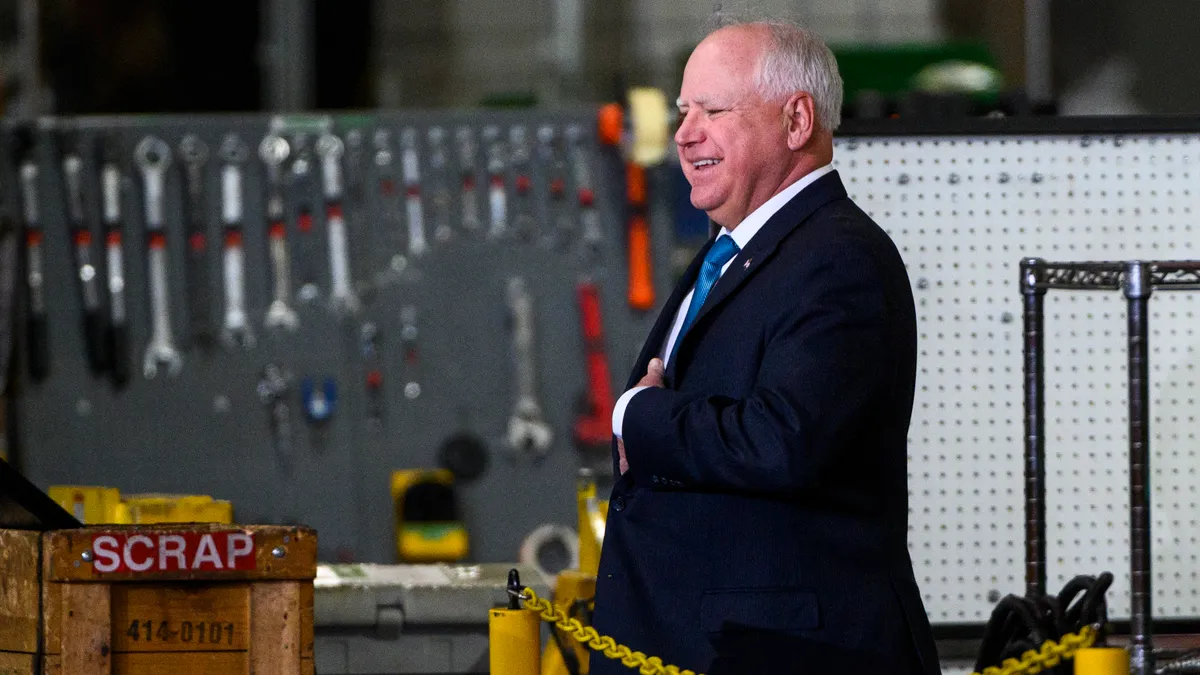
{"x":514,"y":636}
{"x":1102,"y":661}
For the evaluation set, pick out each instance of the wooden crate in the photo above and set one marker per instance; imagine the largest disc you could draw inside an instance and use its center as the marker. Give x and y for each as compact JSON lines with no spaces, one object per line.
{"x":147,"y":599}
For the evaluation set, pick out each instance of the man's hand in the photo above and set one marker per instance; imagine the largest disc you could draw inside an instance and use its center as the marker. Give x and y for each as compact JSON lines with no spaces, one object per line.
{"x":652,"y":378}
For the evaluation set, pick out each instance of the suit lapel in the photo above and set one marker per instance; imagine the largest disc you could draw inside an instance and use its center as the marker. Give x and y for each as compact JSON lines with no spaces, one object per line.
{"x":761,"y":248}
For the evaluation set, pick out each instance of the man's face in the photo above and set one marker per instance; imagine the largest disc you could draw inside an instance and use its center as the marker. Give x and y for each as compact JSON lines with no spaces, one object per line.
{"x":732,"y":144}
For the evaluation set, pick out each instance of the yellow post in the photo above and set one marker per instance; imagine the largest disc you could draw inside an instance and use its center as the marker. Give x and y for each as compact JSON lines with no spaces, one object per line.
{"x":1102,"y":661}
{"x":514,"y":636}
{"x":592,"y":514}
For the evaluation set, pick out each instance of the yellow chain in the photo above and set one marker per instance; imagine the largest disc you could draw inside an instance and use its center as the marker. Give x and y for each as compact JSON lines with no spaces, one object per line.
{"x":1033,"y":661}
{"x":1051,"y":654}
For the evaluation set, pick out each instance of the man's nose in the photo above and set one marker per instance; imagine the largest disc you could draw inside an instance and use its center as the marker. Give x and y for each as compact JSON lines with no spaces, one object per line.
{"x":689,"y":130}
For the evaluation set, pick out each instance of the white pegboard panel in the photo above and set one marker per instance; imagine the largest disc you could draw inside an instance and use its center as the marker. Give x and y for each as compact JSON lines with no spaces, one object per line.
{"x":964,"y":211}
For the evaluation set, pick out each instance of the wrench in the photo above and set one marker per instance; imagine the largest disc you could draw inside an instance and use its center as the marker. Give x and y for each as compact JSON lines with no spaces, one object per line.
{"x":235,"y":330}
{"x":38,"y":322}
{"x":408,"y":347}
{"x":410,"y":165}
{"x":466,"y":166}
{"x":274,"y":387}
{"x":153,"y":155}
{"x":592,"y":236}
{"x":110,"y":192}
{"x":441,"y":196}
{"x":523,"y":222}
{"x":550,"y":154}
{"x":81,"y":235}
{"x":274,"y":152}
{"x":341,"y":294}
{"x":527,"y":429}
{"x":497,"y":199}
{"x":194,"y":155}
{"x":305,"y":244}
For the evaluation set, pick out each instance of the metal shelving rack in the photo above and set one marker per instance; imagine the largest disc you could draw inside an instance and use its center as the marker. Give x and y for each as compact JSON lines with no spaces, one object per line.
{"x":1138,"y":279}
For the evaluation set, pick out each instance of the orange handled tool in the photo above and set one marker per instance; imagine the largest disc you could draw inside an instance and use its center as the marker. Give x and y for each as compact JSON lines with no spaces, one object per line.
{"x":641,"y":274}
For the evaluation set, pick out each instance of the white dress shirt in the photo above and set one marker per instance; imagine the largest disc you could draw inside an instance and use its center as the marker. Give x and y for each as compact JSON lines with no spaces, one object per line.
{"x":742,"y":234}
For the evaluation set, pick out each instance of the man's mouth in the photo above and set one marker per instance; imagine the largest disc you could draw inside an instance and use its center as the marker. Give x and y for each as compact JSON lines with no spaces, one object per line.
{"x":704,"y":163}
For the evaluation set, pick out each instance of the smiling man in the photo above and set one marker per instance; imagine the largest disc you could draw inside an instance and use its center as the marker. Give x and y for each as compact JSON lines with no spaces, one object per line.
{"x":759,"y":521}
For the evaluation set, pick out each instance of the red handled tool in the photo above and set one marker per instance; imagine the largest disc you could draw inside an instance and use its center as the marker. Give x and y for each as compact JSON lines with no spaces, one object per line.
{"x":594,"y":428}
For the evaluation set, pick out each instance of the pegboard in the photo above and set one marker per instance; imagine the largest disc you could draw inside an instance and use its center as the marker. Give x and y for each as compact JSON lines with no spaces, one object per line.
{"x":441,"y":322}
{"x":964,"y":210}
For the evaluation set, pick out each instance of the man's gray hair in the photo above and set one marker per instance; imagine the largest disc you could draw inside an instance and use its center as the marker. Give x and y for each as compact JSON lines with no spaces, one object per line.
{"x":797,"y":59}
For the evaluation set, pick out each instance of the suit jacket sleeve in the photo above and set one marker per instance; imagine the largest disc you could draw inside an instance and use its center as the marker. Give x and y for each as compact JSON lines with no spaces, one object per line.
{"x":825,"y":362}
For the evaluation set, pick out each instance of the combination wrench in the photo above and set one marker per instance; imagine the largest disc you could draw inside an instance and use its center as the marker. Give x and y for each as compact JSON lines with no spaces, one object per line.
{"x":38,"y":323}
{"x":153,"y":155}
{"x":410,"y":168}
{"x":114,"y":252}
{"x":442,"y":231}
{"x":341,"y":293}
{"x":469,"y":203}
{"x":306,"y":245}
{"x":81,"y":238}
{"x":523,"y":221}
{"x":235,"y":328}
{"x":592,"y":236}
{"x":497,"y":198}
{"x":273,"y":151}
{"x":193,"y":155}
{"x":550,"y":154}
{"x":527,"y":429}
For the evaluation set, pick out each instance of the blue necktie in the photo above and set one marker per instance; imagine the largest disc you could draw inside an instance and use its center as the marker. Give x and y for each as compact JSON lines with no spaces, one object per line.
{"x":722,"y":251}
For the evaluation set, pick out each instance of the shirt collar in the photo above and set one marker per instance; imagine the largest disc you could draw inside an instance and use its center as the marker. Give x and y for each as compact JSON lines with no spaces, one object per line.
{"x":754,"y":222}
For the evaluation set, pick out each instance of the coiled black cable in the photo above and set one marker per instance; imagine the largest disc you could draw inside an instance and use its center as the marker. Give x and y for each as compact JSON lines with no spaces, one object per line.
{"x":1020,"y":624}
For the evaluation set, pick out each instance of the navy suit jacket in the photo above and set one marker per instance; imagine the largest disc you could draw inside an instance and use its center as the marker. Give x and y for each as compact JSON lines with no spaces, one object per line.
{"x":764,"y":516}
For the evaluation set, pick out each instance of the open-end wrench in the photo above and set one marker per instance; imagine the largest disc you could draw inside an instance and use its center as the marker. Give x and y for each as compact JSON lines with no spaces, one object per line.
{"x":274,"y":390}
{"x":409,"y":336}
{"x":193,"y":155}
{"x":38,"y":323}
{"x":273,"y":151}
{"x":306,"y":245}
{"x":437,"y":179}
{"x":469,"y":205}
{"x":524,"y":225}
{"x":497,"y":197}
{"x":81,"y":237}
{"x":385,"y":166}
{"x":410,"y":167}
{"x":114,"y":252}
{"x":153,"y":155}
{"x":592,"y":236}
{"x":235,"y":328}
{"x":527,"y":429}
{"x":341,"y":292}
{"x":550,"y":154}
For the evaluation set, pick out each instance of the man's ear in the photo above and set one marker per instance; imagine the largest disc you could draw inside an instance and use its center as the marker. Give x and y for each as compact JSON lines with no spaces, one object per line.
{"x":800,"y":119}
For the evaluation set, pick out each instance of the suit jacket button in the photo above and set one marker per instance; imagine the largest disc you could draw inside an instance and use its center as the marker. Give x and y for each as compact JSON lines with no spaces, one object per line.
{"x":618,"y":503}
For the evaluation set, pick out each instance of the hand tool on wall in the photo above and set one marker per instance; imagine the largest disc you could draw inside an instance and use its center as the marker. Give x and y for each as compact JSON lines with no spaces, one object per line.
{"x":306,"y":249}
{"x":273,"y":151}
{"x":589,"y":219}
{"x":528,"y":431}
{"x":549,"y":151}
{"x":369,"y":341}
{"x":389,"y":195}
{"x":235,"y":328}
{"x":274,"y":388}
{"x":410,"y":166}
{"x":38,"y":324}
{"x":408,"y":347}
{"x":193,"y":156}
{"x":497,"y":197}
{"x":641,"y":275}
{"x":593,"y":430}
{"x":114,"y":259}
{"x":440,"y":201}
{"x":320,"y":403}
{"x":469,"y":204}
{"x":153,"y":155}
{"x":524,"y":225}
{"x":81,"y":241}
{"x":341,"y":291}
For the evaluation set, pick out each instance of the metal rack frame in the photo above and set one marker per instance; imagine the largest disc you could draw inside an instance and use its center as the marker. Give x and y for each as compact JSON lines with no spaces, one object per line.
{"x":1138,"y":279}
